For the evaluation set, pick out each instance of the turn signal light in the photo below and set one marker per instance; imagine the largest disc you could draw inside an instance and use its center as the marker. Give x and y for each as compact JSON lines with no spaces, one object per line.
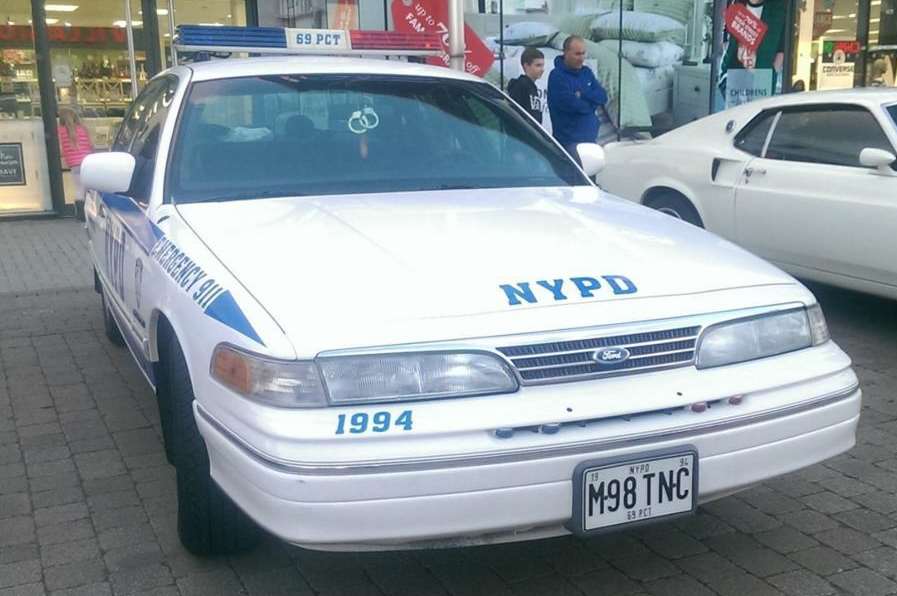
{"x":232,"y":369}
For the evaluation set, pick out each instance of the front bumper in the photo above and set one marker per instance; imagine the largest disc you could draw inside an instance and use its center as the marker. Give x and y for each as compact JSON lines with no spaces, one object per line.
{"x":524,"y":490}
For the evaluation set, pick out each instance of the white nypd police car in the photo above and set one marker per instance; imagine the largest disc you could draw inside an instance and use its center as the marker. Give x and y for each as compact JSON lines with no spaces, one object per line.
{"x":380,"y":308}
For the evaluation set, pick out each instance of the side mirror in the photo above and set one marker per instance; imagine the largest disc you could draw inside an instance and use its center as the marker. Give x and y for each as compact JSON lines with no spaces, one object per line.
{"x":108,"y":172}
{"x":591,"y":155}
{"x":878,"y":159}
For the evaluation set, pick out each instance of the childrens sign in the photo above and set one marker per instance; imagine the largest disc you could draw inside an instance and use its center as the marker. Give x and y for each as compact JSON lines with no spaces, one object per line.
{"x":836,"y":68}
{"x":12,"y":166}
{"x":431,"y":16}
{"x":745,"y":27}
{"x":744,"y":86}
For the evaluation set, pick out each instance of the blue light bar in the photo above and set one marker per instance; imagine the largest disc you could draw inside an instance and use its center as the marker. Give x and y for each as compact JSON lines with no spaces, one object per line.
{"x":203,"y":40}
{"x":245,"y":37}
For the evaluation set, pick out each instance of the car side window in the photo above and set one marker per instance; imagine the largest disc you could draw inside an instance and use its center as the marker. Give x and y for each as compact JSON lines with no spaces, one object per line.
{"x":832,"y":135}
{"x":136,"y":115}
{"x":752,"y":137}
{"x":145,"y":143}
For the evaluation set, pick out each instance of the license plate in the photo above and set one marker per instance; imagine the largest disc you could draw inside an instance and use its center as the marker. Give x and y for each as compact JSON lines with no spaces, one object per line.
{"x":634,"y":491}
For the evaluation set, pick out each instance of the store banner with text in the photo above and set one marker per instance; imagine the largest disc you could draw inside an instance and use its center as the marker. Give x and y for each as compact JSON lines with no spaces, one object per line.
{"x":22,"y":36}
{"x":12,"y":166}
{"x":745,"y":27}
{"x":836,"y":67}
{"x":744,"y":86}
{"x":431,"y":16}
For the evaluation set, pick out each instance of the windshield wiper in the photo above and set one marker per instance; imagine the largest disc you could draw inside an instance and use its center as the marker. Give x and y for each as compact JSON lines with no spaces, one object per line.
{"x":246,"y":196}
{"x":453,"y":187}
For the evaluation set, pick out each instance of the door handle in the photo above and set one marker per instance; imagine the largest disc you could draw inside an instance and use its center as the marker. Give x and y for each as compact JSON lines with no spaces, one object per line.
{"x":751,"y":171}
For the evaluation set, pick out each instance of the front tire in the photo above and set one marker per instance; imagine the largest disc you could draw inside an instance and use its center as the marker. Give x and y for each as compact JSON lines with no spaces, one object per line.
{"x":675,"y":205}
{"x":209,"y":523}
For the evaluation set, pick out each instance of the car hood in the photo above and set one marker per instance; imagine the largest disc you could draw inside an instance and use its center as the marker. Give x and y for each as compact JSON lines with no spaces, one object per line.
{"x":366,"y":270}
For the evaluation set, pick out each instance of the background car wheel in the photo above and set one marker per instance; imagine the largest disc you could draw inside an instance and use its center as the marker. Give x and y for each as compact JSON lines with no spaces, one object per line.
{"x":676,"y":206}
{"x":109,"y":324}
{"x":209,"y":523}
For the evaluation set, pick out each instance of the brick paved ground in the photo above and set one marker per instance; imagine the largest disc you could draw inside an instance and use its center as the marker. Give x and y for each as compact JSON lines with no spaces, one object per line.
{"x":87,"y":500}
{"x":39,"y":255}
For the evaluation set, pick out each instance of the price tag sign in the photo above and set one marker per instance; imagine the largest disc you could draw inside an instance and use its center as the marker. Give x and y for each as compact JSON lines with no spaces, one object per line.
{"x":745,"y":27}
{"x":318,"y":39}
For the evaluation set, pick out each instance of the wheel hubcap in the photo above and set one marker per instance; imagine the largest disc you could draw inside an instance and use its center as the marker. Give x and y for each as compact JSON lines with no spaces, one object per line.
{"x":670,"y":211}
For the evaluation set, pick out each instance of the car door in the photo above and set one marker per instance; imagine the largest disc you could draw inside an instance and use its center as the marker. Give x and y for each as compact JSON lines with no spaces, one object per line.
{"x":128,"y":235}
{"x":806,"y":203}
{"x":104,"y":227}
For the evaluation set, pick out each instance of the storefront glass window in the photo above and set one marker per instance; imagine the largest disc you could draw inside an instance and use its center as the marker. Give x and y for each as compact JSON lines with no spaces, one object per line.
{"x":881,"y":63}
{"x":23,"y":157}
{"x":826,"y":47}
{"x":205,"y":12}
{"x":92,"y":76}
{"x":651,"y":56}
{"x":752,"y":54}
{"x":304,"y":13}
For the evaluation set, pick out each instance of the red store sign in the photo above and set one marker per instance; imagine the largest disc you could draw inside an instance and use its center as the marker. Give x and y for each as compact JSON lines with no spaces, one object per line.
{"x":745,"y":27}
{"x":23,"y":36}
{"x":431,"y":16}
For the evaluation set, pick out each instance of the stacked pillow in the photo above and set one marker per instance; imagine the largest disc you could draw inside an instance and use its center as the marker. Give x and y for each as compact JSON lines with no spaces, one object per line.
{"x":638,"y":26}
{"x":647,"y":55}
{"x":530,"y":33}
{"x":680,"y":10}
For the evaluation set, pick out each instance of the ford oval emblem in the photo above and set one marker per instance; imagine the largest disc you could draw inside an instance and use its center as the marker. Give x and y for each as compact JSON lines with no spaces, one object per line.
{"x":611,"y":356}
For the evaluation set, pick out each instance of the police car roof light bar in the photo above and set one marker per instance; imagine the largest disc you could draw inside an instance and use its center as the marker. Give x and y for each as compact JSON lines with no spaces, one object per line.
{"x":331,"y":42}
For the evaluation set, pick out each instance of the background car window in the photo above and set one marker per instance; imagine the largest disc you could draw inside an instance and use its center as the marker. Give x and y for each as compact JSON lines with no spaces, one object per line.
{"x":146,"y":138}
{"x":828,"y":135}
{"x":752,"y":138}
{"x":893,"y":112}
{"x":256,"y":137}
{"x":137,"y":114}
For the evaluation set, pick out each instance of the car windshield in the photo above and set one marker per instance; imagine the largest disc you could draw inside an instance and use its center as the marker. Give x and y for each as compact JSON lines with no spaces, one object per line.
{"x":290,"y":135}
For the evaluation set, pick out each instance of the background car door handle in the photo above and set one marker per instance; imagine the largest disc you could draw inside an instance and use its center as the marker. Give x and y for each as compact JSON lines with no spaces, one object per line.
{"x":751,"y":171}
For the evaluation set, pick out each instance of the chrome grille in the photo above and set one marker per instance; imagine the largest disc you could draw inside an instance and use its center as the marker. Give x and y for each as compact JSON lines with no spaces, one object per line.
{"x":572,"y":360}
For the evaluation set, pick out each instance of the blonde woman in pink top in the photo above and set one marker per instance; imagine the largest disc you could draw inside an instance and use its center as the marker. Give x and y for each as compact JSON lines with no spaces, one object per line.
{"x":75,"y":145}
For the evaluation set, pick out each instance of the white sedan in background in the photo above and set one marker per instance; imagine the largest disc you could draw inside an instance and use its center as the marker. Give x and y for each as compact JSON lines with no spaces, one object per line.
{"x":807,"y":181}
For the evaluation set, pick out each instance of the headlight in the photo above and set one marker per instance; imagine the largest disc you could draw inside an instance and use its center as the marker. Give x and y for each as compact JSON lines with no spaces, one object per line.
{"x":280,"y":383}
{"x":818,"y":326}
{"x":420,"y":375}
{"x":762,"y":336}
{"x":360,"y":379}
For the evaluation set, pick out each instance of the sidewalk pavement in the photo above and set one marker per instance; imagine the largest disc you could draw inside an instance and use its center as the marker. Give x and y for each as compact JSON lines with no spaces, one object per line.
{"x":87,"y":499}
{"x":43,"y":255}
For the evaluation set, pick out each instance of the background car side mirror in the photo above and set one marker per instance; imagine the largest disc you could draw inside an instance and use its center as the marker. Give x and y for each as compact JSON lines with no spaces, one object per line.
{"x":108,"y":172}
{"x":878,"y":159}
{"x":591,"y":155}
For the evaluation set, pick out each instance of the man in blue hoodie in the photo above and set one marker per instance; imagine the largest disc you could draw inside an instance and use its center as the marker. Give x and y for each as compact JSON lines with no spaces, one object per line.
{"x":573,"y":96}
